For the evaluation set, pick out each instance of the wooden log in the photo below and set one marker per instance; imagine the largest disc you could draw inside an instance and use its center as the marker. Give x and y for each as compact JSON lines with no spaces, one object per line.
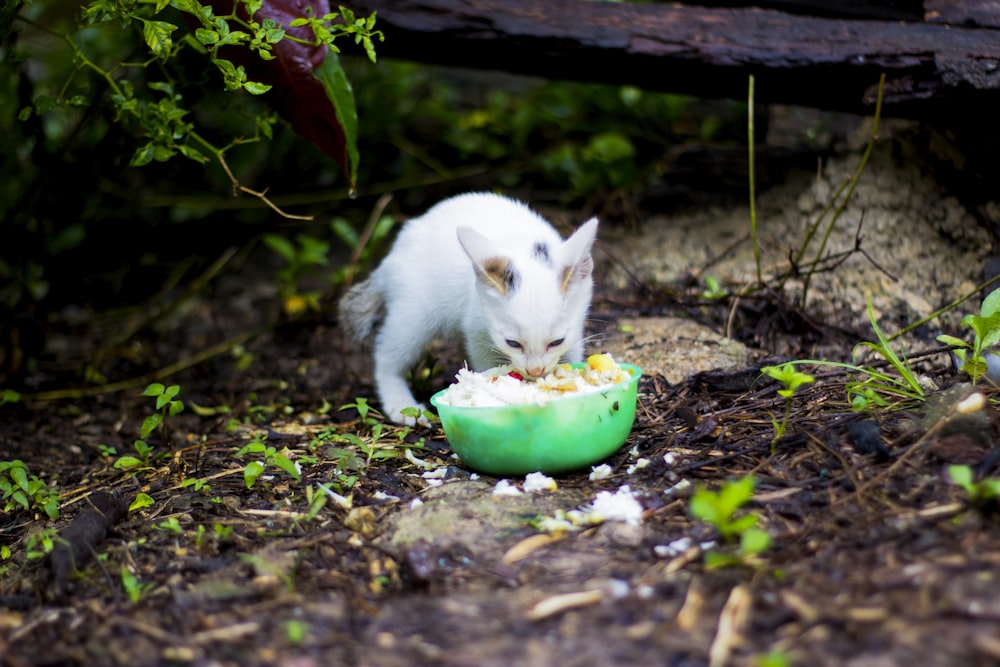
{"x":831,"y":63}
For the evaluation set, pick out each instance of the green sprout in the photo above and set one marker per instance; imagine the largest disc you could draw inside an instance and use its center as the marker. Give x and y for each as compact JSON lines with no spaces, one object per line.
{"x":713,"y":290}
{"x":271,"y":457}
{"x":23,"y":490}
{"x":979,"y":493}
{"x":792,"y":380}
{"x":134,"y":588}
{"x":986,"y":333}
{"x":167,"y":405}
{"x":719,"y":509}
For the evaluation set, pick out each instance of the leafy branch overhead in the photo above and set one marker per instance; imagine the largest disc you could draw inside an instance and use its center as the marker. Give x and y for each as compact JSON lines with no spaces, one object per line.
{"x":281,"y":50}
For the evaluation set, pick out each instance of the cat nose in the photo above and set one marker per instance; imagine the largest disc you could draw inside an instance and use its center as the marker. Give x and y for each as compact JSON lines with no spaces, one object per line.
{"x":535,"y":371}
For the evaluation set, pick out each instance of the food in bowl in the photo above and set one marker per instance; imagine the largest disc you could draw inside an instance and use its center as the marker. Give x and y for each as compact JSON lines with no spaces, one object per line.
{"x":572,"y":418}
{"x":505,"y":386}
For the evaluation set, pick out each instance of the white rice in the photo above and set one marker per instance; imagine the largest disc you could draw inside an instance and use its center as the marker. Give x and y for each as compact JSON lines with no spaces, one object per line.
{"x":496,"y":387}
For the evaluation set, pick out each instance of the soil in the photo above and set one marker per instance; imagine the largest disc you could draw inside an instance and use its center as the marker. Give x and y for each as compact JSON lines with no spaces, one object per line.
{"x":384,"y":550}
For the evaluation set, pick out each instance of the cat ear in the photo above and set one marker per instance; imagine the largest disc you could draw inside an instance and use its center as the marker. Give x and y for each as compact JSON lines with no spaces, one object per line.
{"x":491,"y":266}
{"x":575,"y":255}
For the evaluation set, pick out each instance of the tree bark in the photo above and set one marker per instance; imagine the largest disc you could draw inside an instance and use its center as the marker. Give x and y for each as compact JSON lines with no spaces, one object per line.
{"x":931,"y":65}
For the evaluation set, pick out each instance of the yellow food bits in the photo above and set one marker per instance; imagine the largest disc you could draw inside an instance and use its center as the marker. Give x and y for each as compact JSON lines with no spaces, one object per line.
{"x":601,"y":363}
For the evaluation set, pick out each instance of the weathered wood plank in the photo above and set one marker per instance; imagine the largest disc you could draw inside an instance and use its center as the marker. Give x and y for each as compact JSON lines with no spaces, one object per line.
{"x":708,"y":52}
{"x":979,"y":13}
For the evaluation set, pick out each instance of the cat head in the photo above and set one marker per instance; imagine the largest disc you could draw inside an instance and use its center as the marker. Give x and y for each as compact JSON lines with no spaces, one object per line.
{"x":534,"y":299}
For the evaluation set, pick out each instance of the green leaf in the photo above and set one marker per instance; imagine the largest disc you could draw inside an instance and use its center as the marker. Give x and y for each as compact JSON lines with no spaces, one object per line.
{"x":143,"y":449}
{"x":126,"y":462}
{"x":150,"y":423}
{"x":10,"y":396}
{"x":346,"y":232}
{"x":20,"y":477}
{"x":157,"y":36}
{"x":256,"y":88}
{"x":142,"y":501}
{"x":703,"y":506}
{"x":991,"y":304}
{"x":255,"y":447}
{"x":252,"y":472}
{"x":206,"y":37}
{"x":341,"y":95}
{"x":717,"y":559}
{"x":192,"y":153}
{"x":20,"y":498}
{"x":961,"y":475}
{"x":945,"y":339}
{"x":154,"y":389}
{"x":287,"y":465}
{"x":142,"y":156}
{"x":754,"y":541}
{"x":282,"y":246}
{"x":734,"y":495}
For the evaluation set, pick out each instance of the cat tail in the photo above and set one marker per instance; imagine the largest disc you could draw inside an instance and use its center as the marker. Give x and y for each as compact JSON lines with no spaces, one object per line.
{"x":361,"y":310}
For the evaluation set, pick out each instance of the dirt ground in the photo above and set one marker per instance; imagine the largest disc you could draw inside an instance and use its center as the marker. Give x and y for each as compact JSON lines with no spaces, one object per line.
{"x":387,"y":551}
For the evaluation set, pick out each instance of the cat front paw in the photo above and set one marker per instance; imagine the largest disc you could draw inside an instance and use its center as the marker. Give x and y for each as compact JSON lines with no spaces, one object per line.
{"x":396,"y":415}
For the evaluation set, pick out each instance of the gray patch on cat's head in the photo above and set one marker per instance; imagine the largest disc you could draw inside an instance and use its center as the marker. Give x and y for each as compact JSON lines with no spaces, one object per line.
{"x":499,"y":272}
{"x":541,"y":253}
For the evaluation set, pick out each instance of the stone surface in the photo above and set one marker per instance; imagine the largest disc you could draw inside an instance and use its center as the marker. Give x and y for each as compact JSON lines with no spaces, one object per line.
{"x":931,"y":250}
{"x":673,"y":347}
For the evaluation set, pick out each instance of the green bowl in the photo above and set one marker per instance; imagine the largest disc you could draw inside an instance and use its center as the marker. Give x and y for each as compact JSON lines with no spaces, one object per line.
{"x":565,"y":434}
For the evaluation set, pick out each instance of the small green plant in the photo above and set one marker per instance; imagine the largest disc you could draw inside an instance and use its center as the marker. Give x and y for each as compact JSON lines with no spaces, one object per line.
{"x":296,"y":631}
{"x":877,"y":389}
{"x":23,"y":490}
{"x":271,"y":457}
{"x":167,"y":405}
{"x":908,"y":384}
{"x":142,"y":501}
{"x":316,"y":499}
{"x":197,"y":484}
{"x":171,"y":525}
{"x":143,"y":459}
{"x":720,"y":509}
{"x":381,"y":442}
{"x":792,"y":380}
{"x":40,"y":543}
{"x":980,"y":493}
{"x":222,"y":532}
{"x":9,"y":396}
{"x":300,"y":257}
{"x":713,"y":290}
{"x":986,"y":333}
{"x":134,"y":589}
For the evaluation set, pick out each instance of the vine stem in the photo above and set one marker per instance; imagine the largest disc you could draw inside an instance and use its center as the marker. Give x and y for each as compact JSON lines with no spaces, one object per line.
{"x":239,"y":187}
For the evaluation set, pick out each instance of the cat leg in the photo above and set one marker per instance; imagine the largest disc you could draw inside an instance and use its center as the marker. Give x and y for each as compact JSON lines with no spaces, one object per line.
{"x":397,"y":349}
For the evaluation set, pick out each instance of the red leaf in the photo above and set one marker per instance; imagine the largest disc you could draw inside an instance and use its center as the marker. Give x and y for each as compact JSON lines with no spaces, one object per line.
{"x":295,"y":94}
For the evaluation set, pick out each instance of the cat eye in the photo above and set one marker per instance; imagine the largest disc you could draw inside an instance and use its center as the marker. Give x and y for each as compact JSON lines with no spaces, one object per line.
{"x":556,"y":343}
{"x":514,"y":344}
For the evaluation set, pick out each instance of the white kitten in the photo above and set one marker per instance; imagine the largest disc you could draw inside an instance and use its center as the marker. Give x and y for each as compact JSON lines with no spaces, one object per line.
{"x":484,"y":267}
